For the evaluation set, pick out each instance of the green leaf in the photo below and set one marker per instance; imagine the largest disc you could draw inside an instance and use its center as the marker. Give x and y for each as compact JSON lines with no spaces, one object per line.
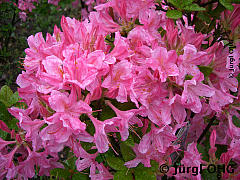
{"x":86,"y":145}
{"x":154,"y":165}
{"x":12,"y":123}
{"x":162,"y":31}
{"x":21,"y":105}
{"x":236,"y":1}
{"x":127,"y":152}
{"x":124,"y":106}
{"x":201,"y":26}
{"x":174,"y":14}
{"x":60,"y":173}
{"x":110,"y":41}
{"x":123,"y":175}
{"x":205,"y":70}
{"x":90,"y":127}
{"x":209,"y":176}
{"x":194,"y":7}
{"x":220,"y":149}
{"x":188,"y":77}
{"x":5,"y":95}
{"x":204,"y":16}
{"x":187,"y":2}
{"x":236,"y":121}
{"x":14,"y":98}
{"x":137,"y":22}
{"x":211,"y":26}
{"x":227,"y":4}
{"x":203,"y":151}
{"x":3,"y":134}
{"x":4,"y":114}
{"x":100,"y":158}
{"x":116,"y":163}
{"x":80,"y":176}
{"x":129,"y":141}
{"x":217,"y":11}
{"x":238,"y":78}
{"x":107,"y":113}
{"x":71,"y":161}
{"x":176,"y":3}
{"x":143,"y":173}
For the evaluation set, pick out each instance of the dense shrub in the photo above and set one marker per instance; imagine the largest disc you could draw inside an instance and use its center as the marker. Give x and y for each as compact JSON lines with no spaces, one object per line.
{"x":138,"y":90}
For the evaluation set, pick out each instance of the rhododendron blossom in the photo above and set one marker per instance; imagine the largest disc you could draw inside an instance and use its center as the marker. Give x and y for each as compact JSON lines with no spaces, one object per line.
{"x":112,"y":77}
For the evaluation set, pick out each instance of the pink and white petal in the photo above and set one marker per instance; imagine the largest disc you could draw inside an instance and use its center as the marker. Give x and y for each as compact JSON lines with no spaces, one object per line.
{"x":145,"y":143}
{"x":83,"y":164}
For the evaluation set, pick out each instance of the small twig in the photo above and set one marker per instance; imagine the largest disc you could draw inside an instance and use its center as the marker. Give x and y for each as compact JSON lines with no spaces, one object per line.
{"x":206,"y":130}
{"x":10,"y":31}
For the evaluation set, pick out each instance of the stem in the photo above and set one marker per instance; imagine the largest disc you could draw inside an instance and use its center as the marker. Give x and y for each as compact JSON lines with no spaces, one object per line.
{"x":206,"y":130}
{"x":10,"y":31}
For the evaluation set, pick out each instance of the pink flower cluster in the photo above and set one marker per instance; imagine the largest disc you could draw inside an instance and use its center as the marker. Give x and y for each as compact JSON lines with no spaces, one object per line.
{"x":163,"y":75}
{"x":87,"y":6}
{"x":26,"y":6}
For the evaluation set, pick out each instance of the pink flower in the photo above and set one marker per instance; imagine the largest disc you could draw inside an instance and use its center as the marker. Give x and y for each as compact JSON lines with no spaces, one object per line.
{"x":103,"y":174}
{"x":32,"y":127}
{"x":119,"y":81}
{"x":100,"y":135}
{"x":56,"y":133}
{"x":233,"y":130}
{"x":144,"y":158}
{"x":27,"y":168}
{"x":103,"y":20}
{"x":54,"y":2}
{"x":188,"y":36}
{"x":159,"y":112}
{"x":212,"y":149}
{"x":152,"y":20}
{"x":231,"y":18}
{"x":78,"y":71}
{"x":124,"y":119}
{"x":26,"y":5}
{"x":6,"y":164}
{"x":171,"y":36}
{"x":147,"y":88}
{"x":23,"y":16}
{"x":159,"y":138}
{"x":177,"y":109}
{"x":188,"y":62}
{"x":121,"y":47}
{"x":4,"y":127}
{"x":235,"y":148}
{"x":54,"y":71}
{"x":68,"y":110}
{"x":34,"y":54}
{"x":4,"y":143}
{"x":192,"y":158}
{"x":219,"y":100}
{"x":191,"y":93}
{"x":164,"y":62}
